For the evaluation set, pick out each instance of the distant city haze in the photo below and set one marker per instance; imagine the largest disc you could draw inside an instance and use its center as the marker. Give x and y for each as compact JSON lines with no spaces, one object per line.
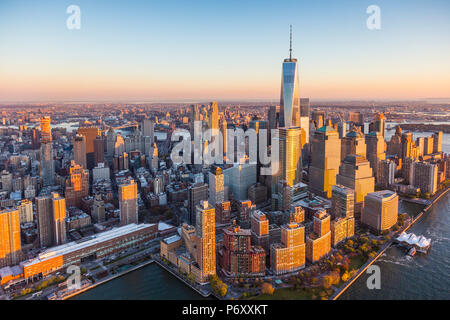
{"x":232,"y":50}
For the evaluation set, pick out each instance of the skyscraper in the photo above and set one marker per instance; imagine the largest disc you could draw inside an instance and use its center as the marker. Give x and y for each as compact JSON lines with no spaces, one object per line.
{"x":148,"y":129}
{"x":196,"y":193}
{"x":206,"y":240}
{"x":99,"y":150}
{"x":44,"y":210}
{"x":59,"y":219}
{"x":325,"y":160}
{"x":355,"y":173}
{"x":10,"y":245}
{"x":290,"y":98}
{"x":216,"y":186}
{"x":90,"y":133}
{"x":290,"y":157}
{"x":79,"y":150}
{"x":128,"y":202}
{"x":375,"y":151}
{"x":47,"y":166}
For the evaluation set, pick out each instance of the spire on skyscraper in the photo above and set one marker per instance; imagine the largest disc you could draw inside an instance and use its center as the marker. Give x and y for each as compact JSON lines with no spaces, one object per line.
{"x":290,"y":42}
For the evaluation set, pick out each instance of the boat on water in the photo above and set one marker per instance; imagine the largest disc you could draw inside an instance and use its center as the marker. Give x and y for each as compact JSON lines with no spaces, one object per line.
{"x":412,"y":252}
{"x":418,"y":243}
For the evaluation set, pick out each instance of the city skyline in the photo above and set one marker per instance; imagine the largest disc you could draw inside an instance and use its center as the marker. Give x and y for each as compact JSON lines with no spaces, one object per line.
{"x":232,"y":51}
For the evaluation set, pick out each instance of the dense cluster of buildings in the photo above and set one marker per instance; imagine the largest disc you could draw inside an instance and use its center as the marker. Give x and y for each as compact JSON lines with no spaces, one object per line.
{"x":68,"y":196}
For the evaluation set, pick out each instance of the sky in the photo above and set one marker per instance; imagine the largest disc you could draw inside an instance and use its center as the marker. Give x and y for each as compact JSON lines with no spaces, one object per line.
{"x":222,"y":50}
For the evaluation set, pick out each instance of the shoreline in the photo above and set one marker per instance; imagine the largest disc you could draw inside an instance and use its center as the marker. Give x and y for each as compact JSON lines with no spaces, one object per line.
{"x":93,"y":285}
{"x":347,"y":285}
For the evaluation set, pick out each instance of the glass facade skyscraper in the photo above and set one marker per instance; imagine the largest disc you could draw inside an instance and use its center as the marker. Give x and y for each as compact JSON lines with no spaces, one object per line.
{"x":290,"y":98}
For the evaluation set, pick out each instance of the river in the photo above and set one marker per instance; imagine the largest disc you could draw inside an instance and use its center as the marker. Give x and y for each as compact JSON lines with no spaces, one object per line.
{"x":421,"y":277}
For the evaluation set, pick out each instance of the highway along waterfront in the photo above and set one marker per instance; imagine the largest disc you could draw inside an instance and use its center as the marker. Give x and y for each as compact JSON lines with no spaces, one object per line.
{"x":421,"y":277}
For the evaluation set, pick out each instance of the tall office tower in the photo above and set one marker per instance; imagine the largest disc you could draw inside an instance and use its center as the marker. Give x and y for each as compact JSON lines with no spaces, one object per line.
{"x":376,"y":151}
{"x":238,"y":256}
{"x":343,"y":202}
{"x":260,"y":230}
{"x":223,"y":212}
{"x":110,"y":143}
{"x":148,"y":129}
{"x":378,"y":124}
{"x":355,"y":173}
{"x":154,"y":160}
{"x":59,"y":219}
{"x":25,"y":211}
{"x":437,"y":142}
{"x":10,"y":245}
{"x":224,"y":132}
{"x":318,"y":118}
{"x":387,"y":173}
{"x":77,"y":185}
{"x":47,"y":165}
{"x":44,"y":209}
{"x":394,"y":146}
{"x":206,"y":240}
{"x":216,"y":186}
{"x":325,"y":160}
{"x":245,"y":211}
{"x":196,"y":193}
{"x":342,"y":129}
{"x":425,"y":177}
{"x":381,"y":210}
{"x":128,"y":202}
{"x":343,"y":224}
{"x":420,"y":143}
{"x":289,"y":256}
{"x":90,"y":133}
{"x":428,"y":145}
{"x":353,"y":143}
{"x":305,"y":107}
{"x":79,"y":150}
{"x":290,"y":97}
{"x":99,"y":150}
{"x":195,"y":116}
{"x":35,"y":139}
{"x":318,"y":242}
{"x":408,"y":170}
{"x":274,"y":119}
{"x":407,"y":144}
{"x":257,"y":193}
{"x":284,"y":196}
{"x":213,"y":116}
{"x":239,"y":178}
{"x":98,"y":209}
{"x":290,"y":157}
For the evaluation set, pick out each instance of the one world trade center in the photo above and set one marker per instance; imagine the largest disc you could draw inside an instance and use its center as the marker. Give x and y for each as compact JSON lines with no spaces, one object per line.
{"x":290,"y":98}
